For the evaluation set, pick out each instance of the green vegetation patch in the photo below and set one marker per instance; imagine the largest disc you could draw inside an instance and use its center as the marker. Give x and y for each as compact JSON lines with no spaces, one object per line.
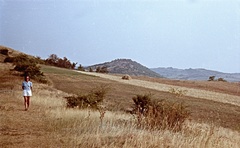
{"x":61,"y":71}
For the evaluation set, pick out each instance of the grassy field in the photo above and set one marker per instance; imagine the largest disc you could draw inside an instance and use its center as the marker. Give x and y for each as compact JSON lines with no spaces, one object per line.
{"x":119,"y":97}
{"x":49,"y":123}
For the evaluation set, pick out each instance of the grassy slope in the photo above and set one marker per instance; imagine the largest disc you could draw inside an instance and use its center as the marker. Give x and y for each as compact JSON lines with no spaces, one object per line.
{"x":47,"y":123}
{"x":120,"y":96}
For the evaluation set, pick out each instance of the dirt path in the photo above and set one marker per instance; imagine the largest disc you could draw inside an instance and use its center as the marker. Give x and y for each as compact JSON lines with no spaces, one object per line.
{"x":19,"y":128}
{"x":203,"y":94}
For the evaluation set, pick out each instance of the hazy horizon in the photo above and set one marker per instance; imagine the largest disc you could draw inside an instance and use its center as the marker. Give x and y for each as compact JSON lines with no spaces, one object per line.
{"x":156,"y":33}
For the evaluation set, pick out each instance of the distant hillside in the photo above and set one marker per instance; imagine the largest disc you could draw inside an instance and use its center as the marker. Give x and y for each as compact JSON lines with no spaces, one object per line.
{"x":126,"y":66}
{"x":195,"y":74}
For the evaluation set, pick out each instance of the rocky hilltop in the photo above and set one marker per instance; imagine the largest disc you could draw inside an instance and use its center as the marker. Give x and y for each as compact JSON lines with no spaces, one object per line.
{"x":126,"y":66}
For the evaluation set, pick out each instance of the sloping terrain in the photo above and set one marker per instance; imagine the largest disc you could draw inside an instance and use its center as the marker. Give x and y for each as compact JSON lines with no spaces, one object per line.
{"x":195,"y":74}
{"x":49,"y":124}
{"x":221,"y":110}
{"x":203,"y":94}
{"x":126,"y":66}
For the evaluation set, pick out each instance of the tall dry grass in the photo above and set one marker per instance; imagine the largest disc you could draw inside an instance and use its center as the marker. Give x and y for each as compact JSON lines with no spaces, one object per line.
{"x":84,"y":128}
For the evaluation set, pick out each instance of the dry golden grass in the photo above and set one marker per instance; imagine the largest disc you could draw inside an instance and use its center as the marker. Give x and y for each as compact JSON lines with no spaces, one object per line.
{"x":120,"y":96}
{"x":232,"y":88}
{"x":49,"y":124}
{"x":192,"y":92}
{"x":52,"y":125}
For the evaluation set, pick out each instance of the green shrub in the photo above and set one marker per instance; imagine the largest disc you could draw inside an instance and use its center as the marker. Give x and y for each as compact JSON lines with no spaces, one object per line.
{"x":80,"y":68}
{"x":141,"y":103}
{"x":222,"y":80}
{"x":102,"y":69}
{"x":54,"y":60}
{"x":92,"y":100}
{"x":211,"y":78}
{"x":27,"y":66}
{"x":90,"y":69}
{"x":159,"y":114}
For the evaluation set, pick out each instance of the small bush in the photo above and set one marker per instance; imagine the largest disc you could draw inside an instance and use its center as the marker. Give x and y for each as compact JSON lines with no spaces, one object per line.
{"x":91,"y":100}
{"x":90,"y":69}
{"x":8,"y":60}
{"x":4,"y":51}
{"x":54,"y":60}
{"x":142,"y":102}
{"x":211,"y":78}
{"x":102,"y":69}
{"x":80,"y":68}
{"x":27,"y":66}
{"x":222,"y":80}
{"x":159,"y":115}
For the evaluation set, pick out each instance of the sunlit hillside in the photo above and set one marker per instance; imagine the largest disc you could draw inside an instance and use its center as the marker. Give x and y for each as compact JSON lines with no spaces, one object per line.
{"x":49,"y":123}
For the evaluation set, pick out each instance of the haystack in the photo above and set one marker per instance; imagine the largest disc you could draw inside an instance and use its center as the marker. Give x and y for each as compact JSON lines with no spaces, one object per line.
{"x":126,"y":77}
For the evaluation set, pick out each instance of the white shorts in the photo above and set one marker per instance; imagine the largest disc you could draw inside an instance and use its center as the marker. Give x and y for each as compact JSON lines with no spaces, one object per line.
{"x":27,"y":93}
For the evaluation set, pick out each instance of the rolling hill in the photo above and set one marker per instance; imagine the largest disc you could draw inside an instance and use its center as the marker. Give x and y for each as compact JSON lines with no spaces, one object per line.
{"x":214,"y":107}
{"x":126,"y":66}
{"x":195,"y":74}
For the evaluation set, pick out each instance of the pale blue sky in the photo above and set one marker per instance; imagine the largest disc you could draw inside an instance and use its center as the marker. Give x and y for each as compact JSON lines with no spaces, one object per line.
{"x":155,"y":33}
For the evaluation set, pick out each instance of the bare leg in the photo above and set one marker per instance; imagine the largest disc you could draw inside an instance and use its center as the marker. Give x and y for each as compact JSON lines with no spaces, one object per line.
{"x":28,"y":101}
{"x":25,"y":102}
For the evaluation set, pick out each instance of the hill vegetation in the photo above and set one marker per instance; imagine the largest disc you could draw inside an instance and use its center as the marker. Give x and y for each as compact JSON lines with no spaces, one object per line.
{"x":125,"y":66}
{"x":196,"y":74}
{"x":124,"y":116}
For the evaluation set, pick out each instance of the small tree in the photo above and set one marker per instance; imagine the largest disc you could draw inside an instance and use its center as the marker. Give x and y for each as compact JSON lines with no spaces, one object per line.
{"x":102,"y":69}
{"x":27,"y":66}
{"x":90,"y":69}
{"x":98,"y":69}
{"x":222,"y":80}
{"x":52,"y":60}
{"x":74,"y":65}
{"x":80,"y":68}
{"x":211,"y":78}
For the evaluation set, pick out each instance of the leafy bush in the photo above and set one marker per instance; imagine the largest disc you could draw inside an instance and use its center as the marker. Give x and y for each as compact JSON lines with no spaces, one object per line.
{"x":211,"y":78}
{"x":8,"y":60}
{"x":222,"y":80}
{"x":159,"y":114}
{"x":102,"y":69}
{"x":54,"y":60}
{"x":90,"y":69}
{"x":80,"y":68}
{"x":27,"y":66}
{"x":91,"y":100}
{"x":4,"y":51}
{"x":142,"y":102}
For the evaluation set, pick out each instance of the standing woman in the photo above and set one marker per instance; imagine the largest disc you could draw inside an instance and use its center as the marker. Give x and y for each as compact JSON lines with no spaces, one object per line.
{"x":27,"y":91}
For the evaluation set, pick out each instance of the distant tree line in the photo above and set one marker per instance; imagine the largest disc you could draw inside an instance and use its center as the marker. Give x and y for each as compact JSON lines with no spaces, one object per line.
{"x":102,"y":69}
{"x":212,"y":78}
{"x":54,"y":60}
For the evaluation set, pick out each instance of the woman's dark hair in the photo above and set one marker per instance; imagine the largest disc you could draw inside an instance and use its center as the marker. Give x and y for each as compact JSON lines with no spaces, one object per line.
{"x":25,"y":77}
